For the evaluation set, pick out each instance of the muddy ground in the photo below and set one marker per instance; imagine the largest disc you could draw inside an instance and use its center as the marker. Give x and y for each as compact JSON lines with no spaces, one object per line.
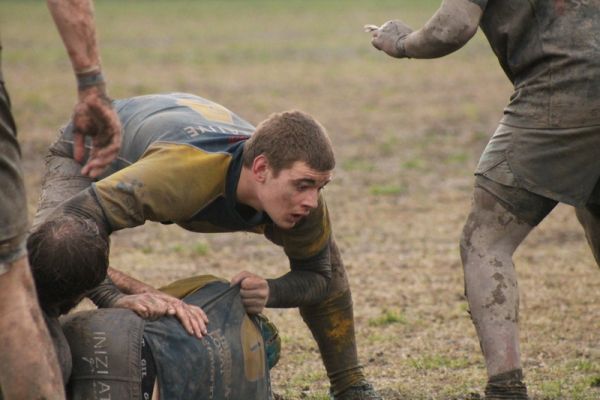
{"x":407,"y":136}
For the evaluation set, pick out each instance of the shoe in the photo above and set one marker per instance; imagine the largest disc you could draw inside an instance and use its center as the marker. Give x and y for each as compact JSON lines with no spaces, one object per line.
{"x":363,"y":391}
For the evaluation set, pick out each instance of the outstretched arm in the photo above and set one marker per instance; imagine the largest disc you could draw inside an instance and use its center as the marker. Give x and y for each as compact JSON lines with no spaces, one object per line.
{"x":94,"y":114}
{"x":450,"y":28}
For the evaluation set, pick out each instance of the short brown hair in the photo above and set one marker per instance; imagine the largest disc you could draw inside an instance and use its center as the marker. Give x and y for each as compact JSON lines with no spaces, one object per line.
{"x":290,"y":136}
{"x":68,"y":257}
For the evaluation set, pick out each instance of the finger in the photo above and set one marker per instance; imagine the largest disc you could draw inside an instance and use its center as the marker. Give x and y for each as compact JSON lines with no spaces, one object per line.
{"x":95,"y":166}
{"x":198,"y":319}
{"x":253,"y":283}
{"x":78,"y":147}
{"x":252,"y":307}
{"x":252,"y":294}
{"x":198,"y":324}
{"x":202,"y":314}
{"x":185,"y":320}
{"x":89,"y":165}
{"x":141,"y":311}
{"x":99,"y":159}
{"x":198,"y":312}
{"x":239,"y":277}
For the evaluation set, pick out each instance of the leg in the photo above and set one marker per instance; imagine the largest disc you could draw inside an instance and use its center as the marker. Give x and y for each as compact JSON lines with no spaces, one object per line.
{"x":332,"y":325}
{"x":490,"y":237}
{"x":31,"y":370}
{"x":589,"y":218}
{"x":28,"y":364}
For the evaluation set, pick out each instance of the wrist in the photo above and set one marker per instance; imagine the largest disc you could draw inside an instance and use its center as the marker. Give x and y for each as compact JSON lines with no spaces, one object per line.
{"x":115,"y":301}
{"x":401,"y":47}
{"x":271,"y":290}
{"x":89,"y":78}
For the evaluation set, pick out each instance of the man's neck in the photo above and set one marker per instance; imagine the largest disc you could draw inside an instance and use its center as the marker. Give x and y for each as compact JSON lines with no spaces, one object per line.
{"x":245,"y":192}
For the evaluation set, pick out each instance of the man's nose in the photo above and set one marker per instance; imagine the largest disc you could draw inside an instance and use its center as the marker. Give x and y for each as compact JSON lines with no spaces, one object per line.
{"x":311,"y":200}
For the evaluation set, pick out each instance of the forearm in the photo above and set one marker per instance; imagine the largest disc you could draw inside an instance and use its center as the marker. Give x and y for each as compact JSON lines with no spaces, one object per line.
{"x":306,"y":284}
{"x":74,"y":20}
{"x":450,"y":28}
{"x":297,"y":288}
{"x":128,"y":284}
{"x":85,"y":205}
{"x":106,"y":294}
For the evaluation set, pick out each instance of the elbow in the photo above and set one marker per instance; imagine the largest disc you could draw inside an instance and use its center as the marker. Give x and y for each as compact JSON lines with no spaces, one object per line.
{"x":452,"y":38}
{"x":441,"y":37}
{"x":322,"y":291}
{"x":462,"y":34}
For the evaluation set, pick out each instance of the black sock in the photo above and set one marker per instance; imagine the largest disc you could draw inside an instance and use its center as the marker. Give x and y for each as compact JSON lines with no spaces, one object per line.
{"x":507,"y":385}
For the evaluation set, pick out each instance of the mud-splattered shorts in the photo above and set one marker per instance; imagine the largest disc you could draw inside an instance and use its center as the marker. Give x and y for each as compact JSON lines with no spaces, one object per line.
{"x":530,"y":170}
{"x":13,"y":205}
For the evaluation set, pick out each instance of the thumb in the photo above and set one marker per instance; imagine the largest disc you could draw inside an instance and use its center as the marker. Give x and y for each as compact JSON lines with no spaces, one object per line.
{"x":239,"y":277}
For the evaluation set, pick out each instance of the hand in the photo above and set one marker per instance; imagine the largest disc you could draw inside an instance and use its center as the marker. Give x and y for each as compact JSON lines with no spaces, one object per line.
{"x":95,"y":116}
{"x":153,"y":305}
{"x":254,"y":291}
{"x":389,"y":37}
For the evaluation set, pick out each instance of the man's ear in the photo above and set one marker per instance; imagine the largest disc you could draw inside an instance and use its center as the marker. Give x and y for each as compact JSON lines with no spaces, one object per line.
{"x":260,"y":168}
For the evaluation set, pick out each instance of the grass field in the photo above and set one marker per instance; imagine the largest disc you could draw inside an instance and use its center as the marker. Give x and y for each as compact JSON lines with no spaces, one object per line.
{"x":407,"y":136}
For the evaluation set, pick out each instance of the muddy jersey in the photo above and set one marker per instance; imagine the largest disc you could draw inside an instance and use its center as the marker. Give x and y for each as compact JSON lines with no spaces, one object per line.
{"x":550,"y":50}
{"x":180,"y":162}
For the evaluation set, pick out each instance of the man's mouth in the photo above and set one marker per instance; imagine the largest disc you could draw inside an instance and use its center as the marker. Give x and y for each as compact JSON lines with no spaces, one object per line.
{"x":297,"y":217}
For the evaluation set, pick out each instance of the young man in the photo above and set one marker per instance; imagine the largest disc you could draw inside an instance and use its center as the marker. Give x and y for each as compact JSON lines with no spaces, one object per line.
{"x":31,"y":371}
{"x":189,"y":161}
{"x":544,"y":151}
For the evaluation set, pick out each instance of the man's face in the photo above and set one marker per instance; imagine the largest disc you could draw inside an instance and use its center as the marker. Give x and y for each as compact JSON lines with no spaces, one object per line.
{"x":292,"y":194}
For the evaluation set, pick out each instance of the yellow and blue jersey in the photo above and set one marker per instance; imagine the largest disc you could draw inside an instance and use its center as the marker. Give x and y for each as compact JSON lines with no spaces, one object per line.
{"x":180,"y":162}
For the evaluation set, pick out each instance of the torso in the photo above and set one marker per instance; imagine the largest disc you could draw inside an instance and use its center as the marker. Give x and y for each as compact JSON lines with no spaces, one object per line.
{"x":550,"y":50}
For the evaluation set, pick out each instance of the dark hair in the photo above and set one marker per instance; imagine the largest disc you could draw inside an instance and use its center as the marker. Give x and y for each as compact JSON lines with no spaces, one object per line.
{"x":287,"y":137}
{"x":68,"y":257}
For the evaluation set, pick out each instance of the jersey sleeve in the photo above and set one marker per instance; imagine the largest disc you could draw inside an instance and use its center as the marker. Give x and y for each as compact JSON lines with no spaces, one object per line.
{"x":169,"y":183}
{"x":308,"y":238}
{"x":480,"y":3}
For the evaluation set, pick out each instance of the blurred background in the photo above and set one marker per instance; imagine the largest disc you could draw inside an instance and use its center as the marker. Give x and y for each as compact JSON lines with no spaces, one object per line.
{"x":407,"y":136}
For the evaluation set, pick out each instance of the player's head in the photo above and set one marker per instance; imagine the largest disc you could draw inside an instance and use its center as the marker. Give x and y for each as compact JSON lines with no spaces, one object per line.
{"x":291,"y":159}
{"x":287,"y":137}
{"x":68,"y":256}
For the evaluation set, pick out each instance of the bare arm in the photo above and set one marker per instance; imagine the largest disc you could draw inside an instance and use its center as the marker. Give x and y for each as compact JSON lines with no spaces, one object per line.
{"x":94,"y":114}
{"x":128,"y":284}
{"x":450,"y":28}
{"x":74,"y":20}
{"x":120,"y":290}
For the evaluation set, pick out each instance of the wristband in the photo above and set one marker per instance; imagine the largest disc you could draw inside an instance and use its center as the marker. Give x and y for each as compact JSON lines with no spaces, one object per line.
{"x":400,"y":46}
{"x":84,"y":81}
